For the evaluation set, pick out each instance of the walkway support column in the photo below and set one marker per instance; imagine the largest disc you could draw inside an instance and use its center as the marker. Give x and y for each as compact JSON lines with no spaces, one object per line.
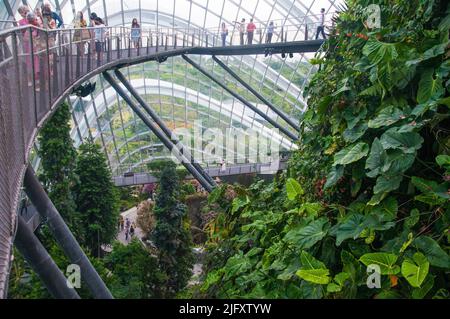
{"x":280,"y":113}
{"x":42,"y":263}
{"x":64,"y":236}
{"x":161,"y":136}
{"x":288,"y":133}
{"x":161,"y":123}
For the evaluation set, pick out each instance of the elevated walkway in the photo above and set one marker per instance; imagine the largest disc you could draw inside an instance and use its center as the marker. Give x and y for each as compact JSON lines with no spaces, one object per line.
{"x":130,"y":179}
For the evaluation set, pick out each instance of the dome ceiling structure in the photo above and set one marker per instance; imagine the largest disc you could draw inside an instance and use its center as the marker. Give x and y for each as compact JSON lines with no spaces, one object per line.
{"x":181,"y":95}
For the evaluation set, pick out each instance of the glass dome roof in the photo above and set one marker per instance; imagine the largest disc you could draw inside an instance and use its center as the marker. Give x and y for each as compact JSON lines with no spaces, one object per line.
{"x":182,"y":96}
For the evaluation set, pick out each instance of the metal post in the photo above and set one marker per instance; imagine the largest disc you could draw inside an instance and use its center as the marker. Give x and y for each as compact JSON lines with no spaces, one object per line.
{"x":240,"y":98}
{"x":283,"y":115}
{"x":162,"y":137}
{"x":63,"y":235}
{"x":42,"y":263}
{"x":161,"y":124}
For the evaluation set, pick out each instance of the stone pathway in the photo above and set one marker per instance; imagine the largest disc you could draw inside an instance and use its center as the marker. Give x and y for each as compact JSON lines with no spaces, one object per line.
{"x":131,"y":214}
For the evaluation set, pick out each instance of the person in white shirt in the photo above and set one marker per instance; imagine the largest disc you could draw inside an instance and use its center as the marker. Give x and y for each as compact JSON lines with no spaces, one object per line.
{"x":321,"y":27}
{"x":241,"y":28}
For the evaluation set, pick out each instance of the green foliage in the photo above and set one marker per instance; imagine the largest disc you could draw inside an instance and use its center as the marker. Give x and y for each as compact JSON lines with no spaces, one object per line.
{"x":135,"y":272}
{"x":58,"y":157}
{"x":370,"y":182}
{"x":96,"y":198}
{"x":171,"y":234}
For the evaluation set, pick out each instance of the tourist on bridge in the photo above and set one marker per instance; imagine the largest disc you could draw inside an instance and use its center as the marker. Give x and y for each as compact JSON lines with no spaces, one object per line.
{"x":39,"y":17}
{"x":224,"y":33}
{"x":35,"y":46}
{"x":23,"y":11}
{"x":241,"y":28}
{"x":99,"y":36}
{"x":135,"y":33}
{"x":48,"y":7}
{"x":251,"y":27}
{"x":270,"y":31}
{"x":82,"y":34}
{"x":321,"y":27}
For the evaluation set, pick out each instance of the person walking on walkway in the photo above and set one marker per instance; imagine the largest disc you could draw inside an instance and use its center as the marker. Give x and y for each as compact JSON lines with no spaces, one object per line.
{"x":99,"y":36}
{"x":270,"y":31}
{"x":251,"y":27}
{"x":131,"y":232}
{"x":321,"y":27}
{"x":135,"y":33}
{"x":224,"y":33}
{"x":241,"y":28}
{"x":81,"y":34}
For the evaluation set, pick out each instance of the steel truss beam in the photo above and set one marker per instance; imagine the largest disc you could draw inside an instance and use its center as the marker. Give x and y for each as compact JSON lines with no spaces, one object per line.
{"x":288,"y":133}
{"x":162,"y":125}
{"x":64,"y":236}
{"x":158,"y":132}
{"x":42,"y":263}
{"x":280,"y":113}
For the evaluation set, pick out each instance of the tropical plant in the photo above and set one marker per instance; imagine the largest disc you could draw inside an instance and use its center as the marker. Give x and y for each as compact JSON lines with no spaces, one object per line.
{"x":369,"y":185}
{"x":171,"y":234}
{"x":58,"y":156}
{"x":96,"y":198}
{"x":135,"y":271}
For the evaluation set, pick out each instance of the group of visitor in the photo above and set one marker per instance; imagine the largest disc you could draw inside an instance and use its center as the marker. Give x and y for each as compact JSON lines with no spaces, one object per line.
{"x":248,"y":29}
{"x":45,"y":18}
{"x":127,"y":226}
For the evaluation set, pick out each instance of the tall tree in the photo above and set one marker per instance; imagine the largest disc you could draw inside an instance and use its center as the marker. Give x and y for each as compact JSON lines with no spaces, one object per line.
{"x":171,"y":234}
{"x":96,"y":198}
{"x":58,"y":156}
{"x":135,"y":271}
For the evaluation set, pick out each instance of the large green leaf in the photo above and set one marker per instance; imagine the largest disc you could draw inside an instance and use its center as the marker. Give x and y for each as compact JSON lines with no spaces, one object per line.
{"x":413,"y":219}
{"x":429,"y":54}
{"x":351,"y":154}
{"x":427,"y":285}
{"x":387,"y":116}
{"x":386,"y":262}
{"x":351,"y":135}
{"x":408,"y":142}
{"x":386,"y":210}
{"x":351,"y":227}
{"x":378,"y":51}
{"x":307,"y":236}
{"x":293,"y":189}
{"x":429,"y":86}
{"x":335,"y":174}
{"x":386,"y":183}
{"x":313,"y":270}
{"x":443,"y":160}
{"x":398,"y":162}
{"x":376,"y":159}
{"x":433,"y":193}
{"x":415,"y":270}
{"x":434,"y":253}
